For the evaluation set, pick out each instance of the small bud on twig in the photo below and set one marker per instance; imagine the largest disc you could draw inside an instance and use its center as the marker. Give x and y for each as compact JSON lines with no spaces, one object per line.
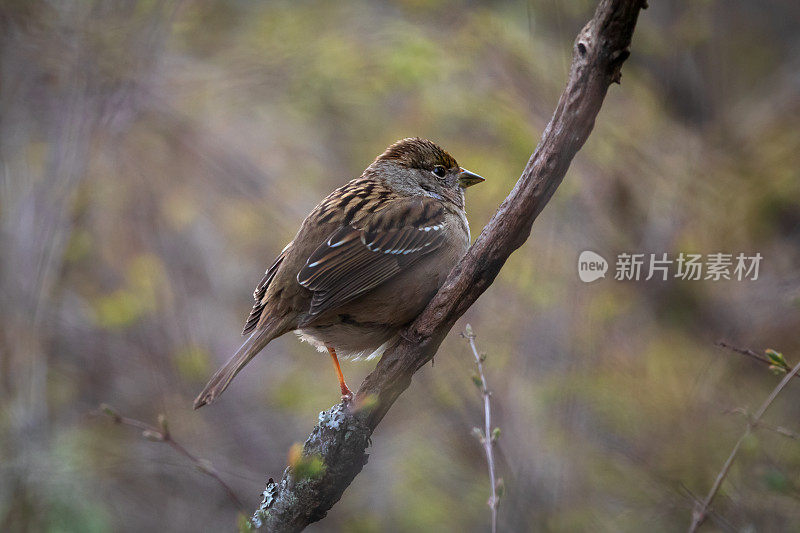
{"x":153,"y":436}
{"x":162,"y":422}
{"x":108,"y":410}
{"x":777,"y":360}
{"x":162,"y":434}
{"x":488,"y":436}
{"x":205,"y":466}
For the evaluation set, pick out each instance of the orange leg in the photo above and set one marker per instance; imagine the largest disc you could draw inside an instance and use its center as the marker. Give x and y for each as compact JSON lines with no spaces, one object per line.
{"x":345,"y":391}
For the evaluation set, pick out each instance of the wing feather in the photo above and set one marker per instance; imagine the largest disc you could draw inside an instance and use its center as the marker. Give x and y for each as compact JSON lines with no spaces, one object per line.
{"x":260,"y":293}
{"x":354,"y":260}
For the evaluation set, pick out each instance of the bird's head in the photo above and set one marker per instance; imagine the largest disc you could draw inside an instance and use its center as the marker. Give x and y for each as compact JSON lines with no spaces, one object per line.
{"x":418,"y":167}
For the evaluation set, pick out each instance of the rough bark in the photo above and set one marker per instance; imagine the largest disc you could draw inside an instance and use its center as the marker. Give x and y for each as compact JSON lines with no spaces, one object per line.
{"x":342,"y":436}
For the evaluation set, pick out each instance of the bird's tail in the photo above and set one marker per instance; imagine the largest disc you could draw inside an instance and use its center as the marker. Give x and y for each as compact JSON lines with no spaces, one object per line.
{"x":222,"y":377}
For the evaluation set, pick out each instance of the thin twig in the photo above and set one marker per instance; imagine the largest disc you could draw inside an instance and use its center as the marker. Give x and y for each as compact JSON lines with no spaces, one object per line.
{"x":780,"y":430}
{"x":488,"y":436}
{"x":749,"y":353}
{"x":699,"y":515}
{"x":162,"y":434}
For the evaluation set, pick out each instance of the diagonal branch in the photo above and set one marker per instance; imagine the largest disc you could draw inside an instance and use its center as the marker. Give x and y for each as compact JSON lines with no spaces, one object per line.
{"x":778,"y":364}
{"x":163,"y":434}
{"x":342,"y":436}
{"x":701,"y":511}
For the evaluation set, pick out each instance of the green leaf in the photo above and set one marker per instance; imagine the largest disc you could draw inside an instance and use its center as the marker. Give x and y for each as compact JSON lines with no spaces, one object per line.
{"x":776,"y":358}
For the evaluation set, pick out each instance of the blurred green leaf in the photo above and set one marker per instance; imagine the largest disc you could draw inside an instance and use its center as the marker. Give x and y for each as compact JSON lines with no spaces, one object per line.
{"x":193,"y":362}
{"x":777,"y":481}
{"x":118,"y":309}
{"x":243,"y":523}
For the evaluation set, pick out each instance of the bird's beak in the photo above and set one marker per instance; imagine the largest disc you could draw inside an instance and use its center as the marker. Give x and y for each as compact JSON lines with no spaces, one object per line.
{"x":468,"y":179}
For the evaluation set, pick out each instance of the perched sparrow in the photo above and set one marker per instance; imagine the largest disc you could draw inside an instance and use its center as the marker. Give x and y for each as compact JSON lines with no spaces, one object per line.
{"x":365,"y":262}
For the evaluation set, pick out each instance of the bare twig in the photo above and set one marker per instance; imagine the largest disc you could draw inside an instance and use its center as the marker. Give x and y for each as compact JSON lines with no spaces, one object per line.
{"x":343,"y":434}
{"x":162,"y":434}
{"x":780,"y":430}
{"x":700,"y":513}
{"x":488,"y":436}
{"x":744,"y":351}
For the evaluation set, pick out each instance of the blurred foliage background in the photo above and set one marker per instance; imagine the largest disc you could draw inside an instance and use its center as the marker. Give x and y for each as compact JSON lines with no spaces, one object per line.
{"x":157,"y":155}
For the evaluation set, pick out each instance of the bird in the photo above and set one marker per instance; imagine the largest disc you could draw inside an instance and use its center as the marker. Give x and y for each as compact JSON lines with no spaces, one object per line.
{"x":364,"y":263}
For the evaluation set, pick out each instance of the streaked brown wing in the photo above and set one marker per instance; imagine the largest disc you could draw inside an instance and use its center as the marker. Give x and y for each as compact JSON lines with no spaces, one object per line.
{"x":355,"y":259}
{"x":261,"y":291}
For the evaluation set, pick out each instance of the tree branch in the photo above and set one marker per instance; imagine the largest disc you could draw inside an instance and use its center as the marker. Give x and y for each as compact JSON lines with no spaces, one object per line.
{"x":342,"y":436}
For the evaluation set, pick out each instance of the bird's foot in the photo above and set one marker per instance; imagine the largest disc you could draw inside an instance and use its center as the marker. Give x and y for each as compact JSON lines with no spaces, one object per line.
{"x":347,"y":395}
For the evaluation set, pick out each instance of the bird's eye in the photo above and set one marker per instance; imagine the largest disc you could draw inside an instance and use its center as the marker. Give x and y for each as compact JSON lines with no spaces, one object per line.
{"x":439,"y":171}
